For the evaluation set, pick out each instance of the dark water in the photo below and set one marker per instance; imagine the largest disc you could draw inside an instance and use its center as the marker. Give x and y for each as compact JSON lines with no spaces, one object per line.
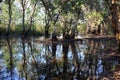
{"x":32,"y":59}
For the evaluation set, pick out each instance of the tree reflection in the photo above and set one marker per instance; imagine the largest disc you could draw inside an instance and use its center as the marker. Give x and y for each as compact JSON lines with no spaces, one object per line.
{"x":34,"y":60}
{"x":54,"y":49}
{"x":24,"y":59}
{"x":75,"y":61}
{"x":89,"y":59}
{"x":11,"y":58}
{"x":65,"y":59}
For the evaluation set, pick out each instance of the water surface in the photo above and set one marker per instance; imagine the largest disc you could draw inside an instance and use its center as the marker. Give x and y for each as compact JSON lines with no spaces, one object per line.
{"x":33,"y":59}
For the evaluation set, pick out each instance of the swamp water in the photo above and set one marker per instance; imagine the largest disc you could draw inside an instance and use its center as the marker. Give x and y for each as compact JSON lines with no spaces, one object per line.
{"x":33,"y":59}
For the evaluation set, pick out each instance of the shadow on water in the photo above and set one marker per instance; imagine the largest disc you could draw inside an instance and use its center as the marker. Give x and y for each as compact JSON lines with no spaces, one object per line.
{"x":30,"y":59}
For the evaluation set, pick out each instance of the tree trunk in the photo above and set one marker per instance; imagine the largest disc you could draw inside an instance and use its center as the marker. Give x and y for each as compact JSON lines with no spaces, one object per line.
{"x":23,"y":17}
{"x":115,"y":16}
{"x":46,"y":31}
{"x":10,"y":18}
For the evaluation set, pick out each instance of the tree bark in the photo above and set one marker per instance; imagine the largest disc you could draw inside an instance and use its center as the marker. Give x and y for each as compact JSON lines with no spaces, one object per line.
{"x":10,"y":17}
{"x":115,"y":18}
{"x":23,"y":17}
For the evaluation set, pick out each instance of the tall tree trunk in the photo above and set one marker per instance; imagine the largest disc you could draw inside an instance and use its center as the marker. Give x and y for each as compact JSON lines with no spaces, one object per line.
{"x":47,"y":30}
{"x":23,"y":16}
{"x":10,"y":18}
{"x":47,"y":26}
{"x":115,"y":17}
{"x":47,"y":17}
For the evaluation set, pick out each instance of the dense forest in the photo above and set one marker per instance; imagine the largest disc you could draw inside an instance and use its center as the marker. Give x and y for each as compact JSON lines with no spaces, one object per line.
{"x":66,"y":17}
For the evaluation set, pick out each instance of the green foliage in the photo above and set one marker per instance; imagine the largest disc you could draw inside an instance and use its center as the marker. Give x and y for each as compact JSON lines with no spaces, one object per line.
{"x":69,"y":13}
{"x":9,"y":1}
{"x":94,"y":17}
{"x":82,"y":28}
{"x":4,"y":15}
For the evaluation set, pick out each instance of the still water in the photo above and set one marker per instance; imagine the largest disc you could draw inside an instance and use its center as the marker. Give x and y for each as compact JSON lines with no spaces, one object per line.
{"x":38,"y":59}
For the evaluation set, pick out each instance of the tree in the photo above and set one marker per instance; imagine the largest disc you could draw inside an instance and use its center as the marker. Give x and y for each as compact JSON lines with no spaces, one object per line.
{"x":115,"y":18}
{"x":30,"y":19}
{"x":49,"y":14}
{"x":69,"y":16}
{"x":9,"y":2}
{"x":93,"y":20}
{"x":23,"y":3}
{"x":93,"y":13}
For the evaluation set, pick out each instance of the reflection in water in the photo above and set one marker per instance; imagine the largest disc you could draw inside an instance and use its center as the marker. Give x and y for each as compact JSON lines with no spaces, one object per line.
{"x":24,"y":64}
{"x":11,"y":58}
{"x":28,"y":59}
